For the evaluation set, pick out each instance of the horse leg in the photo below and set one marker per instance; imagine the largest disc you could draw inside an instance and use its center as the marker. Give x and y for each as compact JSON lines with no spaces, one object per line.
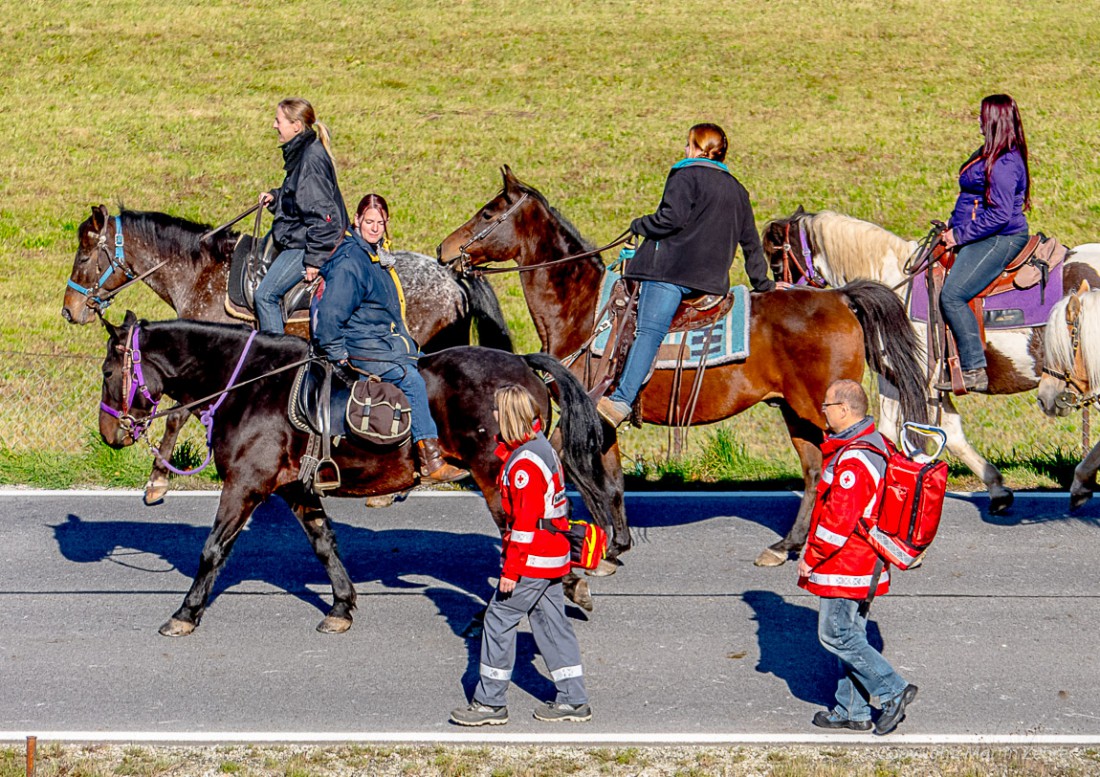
{"x":318,"y":528}
{"x":234,"y":509}
{"x":1084,"y":478}
{"x":1000,"y":497}
{"x":157,"y":485}
{"x":807,"y":442}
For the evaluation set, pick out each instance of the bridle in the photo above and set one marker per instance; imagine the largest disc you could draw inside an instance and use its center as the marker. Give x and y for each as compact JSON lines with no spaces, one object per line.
{"x":1077,"y":395}
{"x":462,"y":261}
{"x":115,"y":263}
{"x":808,"y":273}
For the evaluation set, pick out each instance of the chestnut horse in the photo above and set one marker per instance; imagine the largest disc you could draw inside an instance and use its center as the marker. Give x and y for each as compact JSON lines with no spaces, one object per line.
{"x":192,"y":275}
{"x":257,"y":451}
{"x":800,"y":341}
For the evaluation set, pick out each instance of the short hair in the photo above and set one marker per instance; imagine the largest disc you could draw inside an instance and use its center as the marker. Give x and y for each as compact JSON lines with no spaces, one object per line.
{"x":852,"y":394}
{"x":710,"y":139}
{"x":517,"y":412}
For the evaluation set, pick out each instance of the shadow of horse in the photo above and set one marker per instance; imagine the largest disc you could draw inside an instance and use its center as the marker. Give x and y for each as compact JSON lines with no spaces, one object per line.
{"x":666,"y":512}
{"x":789,"y":648}
{"x":1037,"y":511}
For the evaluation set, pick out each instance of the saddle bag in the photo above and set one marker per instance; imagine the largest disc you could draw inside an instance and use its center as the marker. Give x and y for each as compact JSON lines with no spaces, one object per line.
{"x":378,"y":412}
{"x":1047,"y":255}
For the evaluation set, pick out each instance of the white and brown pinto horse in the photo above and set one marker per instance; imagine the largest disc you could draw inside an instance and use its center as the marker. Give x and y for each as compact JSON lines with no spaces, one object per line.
{"x":1071,"y":373}
{"x":841,"y":249}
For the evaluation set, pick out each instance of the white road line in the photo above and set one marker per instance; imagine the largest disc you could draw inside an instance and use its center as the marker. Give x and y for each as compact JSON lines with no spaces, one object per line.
{"x":38,"y":492}
{"x":577,"y":738}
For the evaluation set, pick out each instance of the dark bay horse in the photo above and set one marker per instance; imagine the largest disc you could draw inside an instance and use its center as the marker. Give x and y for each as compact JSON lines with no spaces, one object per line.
{"x":193,"y":279}
{"x":800,"y":341}
{"x":257,"y":451}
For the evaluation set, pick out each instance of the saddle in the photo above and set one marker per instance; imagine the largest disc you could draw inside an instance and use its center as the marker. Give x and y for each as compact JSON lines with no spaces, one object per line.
{"x":1039,"y":257}
{"x":247,"y":269}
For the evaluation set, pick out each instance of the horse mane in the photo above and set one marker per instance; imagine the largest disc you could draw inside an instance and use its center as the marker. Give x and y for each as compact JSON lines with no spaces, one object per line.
{"x":566,"y":224}
{"x":855,"y":248}
{"x":1058,"y":347}
{"x":171,"y":235}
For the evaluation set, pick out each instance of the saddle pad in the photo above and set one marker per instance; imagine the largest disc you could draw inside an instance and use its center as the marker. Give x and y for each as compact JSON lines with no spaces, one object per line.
{"x":729,"y":339}
{"x":1013,"y":309}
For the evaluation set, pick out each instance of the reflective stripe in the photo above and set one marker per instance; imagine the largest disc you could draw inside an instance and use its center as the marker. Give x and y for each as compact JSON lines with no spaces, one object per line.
{"x":899,"y":554}
{"x":495,"y":674}
{"x":547,"y":562}
{"x":861,"y":456}
{"x":522,"y":537}
{"x":555,"y":504}
{"x":829,"y":536}
{"x":567,"y":672}
{"x":847,"y":581}
{"x":827,"y":475}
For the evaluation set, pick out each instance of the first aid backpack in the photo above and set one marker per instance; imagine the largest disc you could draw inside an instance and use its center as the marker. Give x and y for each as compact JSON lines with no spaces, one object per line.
{"x":910,"y":500}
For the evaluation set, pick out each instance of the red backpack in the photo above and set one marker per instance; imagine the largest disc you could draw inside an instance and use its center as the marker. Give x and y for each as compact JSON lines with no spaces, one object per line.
{"x":910,"y":501}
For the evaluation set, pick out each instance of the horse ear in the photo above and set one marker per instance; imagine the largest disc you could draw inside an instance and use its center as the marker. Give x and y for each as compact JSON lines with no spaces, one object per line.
{"x":112,"y":330}
{"x":1084,"y":288}
{"x":799,"y":211}
{"x":1073,"y":308}
{"x":130,"y":318}
{"x":99,"y":217}
{"x":510,"y":181}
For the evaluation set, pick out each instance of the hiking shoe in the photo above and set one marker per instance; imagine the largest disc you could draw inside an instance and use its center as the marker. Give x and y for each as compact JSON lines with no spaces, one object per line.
{"x":478,"y":714}
{"x":613,"y":411}
{"x":557,"y":711}
{"x":831,"y":719}
{"x":973,"y":380}
{"x":893,"y":711}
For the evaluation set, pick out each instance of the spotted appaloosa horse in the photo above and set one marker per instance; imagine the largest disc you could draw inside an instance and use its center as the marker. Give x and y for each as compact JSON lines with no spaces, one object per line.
{"x":844,"y":249}
{"x":800,"y":341}
{"x":257,"y":451}
{"x":440,"y":306}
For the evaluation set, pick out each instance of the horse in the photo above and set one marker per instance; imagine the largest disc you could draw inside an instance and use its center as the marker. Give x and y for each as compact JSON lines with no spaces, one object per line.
{"x":800,"y":341}
{"x":192,"y":275}
{"x":1071,"y":373}
{"x":258,"y":451}
{"x":843,"y":249}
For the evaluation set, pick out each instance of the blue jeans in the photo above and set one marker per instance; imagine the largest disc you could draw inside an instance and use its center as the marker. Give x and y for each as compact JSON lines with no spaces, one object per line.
{"x":865,"y":674}
{"x":657,"y":303}
{"x":408,"y":379}
{"x":976,"y":266}
{"x":281,"y":277}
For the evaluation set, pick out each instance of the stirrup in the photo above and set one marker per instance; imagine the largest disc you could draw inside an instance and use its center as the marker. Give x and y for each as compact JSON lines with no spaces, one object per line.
{"x":326,"y":476}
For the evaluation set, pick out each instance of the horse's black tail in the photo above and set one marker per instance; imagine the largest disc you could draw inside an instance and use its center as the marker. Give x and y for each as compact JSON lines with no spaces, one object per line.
{"x":582,"y":439}
{"x":893,"y":351}
{"x":492,"y":329}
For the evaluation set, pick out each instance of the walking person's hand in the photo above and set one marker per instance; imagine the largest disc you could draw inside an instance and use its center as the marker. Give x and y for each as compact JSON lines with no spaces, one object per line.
{"x":507,"y":585}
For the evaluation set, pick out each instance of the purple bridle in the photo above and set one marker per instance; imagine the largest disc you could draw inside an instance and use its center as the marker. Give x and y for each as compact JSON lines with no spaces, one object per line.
{"x":133,"y":381}
{"x":809,"y":275}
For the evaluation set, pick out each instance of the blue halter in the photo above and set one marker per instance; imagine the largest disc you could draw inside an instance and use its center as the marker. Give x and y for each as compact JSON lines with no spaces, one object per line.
{"x":117,"y":263}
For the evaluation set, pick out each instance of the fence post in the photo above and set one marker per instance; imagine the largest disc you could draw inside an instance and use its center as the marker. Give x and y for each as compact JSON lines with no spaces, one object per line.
{"x":32,"y":746}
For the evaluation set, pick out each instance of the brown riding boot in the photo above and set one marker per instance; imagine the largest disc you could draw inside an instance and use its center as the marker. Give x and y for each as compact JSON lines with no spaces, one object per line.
{"x":433,"y":469}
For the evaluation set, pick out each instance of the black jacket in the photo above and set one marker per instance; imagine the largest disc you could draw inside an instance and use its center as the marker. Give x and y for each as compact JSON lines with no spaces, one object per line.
{"x":309,"y":209}
{"x":690,"y":241}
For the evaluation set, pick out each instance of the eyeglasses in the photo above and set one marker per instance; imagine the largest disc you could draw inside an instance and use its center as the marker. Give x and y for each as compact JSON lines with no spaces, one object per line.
{"x":829,"y":404}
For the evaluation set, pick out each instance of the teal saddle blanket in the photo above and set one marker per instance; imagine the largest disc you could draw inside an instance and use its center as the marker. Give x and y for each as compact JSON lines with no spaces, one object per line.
{"x":727,"y":342}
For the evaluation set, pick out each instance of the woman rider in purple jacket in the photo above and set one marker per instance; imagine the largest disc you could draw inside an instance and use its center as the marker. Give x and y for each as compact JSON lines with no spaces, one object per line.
{"x":987,"y":226}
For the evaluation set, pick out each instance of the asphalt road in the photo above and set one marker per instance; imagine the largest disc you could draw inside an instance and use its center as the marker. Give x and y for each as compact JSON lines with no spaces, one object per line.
{"x":998,"y":628}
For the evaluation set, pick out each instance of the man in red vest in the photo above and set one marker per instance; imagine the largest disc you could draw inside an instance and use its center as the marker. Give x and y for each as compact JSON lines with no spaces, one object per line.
{"x":839,"y":566}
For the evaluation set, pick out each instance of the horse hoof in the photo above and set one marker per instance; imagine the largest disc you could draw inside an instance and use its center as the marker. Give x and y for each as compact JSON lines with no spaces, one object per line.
{"x":582,"y":596}
{"x":155,"y":491}
{"x":384,"y":500}
{"x":177,"y":628}
{"x":769,"y":557}
{"x":1000,"y":503}
{"x":1077,"y":500}
{"x":333,"y":625}
{"x":605,"y":568}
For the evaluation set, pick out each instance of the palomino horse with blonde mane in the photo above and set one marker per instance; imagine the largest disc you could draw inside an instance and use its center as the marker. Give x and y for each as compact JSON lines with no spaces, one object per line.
{"x":800,"y":341}
{"x":837,"y":249}
{"x":1071,"y":373}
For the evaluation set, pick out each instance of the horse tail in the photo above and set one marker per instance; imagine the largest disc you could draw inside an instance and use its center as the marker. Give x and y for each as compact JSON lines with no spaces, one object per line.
{"x":893,"y":351}
{"x":582,"y":438}
{"x":492,"y":329}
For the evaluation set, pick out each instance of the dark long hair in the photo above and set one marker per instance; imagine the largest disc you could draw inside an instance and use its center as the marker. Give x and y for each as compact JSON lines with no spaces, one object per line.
{"x":1003,"y":131}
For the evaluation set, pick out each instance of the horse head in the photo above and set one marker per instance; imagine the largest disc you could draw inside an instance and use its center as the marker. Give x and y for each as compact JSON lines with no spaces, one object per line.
{"x":91,"y":268}
{"x":130,"y":389}
{"x":495,"y":233}
{"x":1068,"y":373}
{"x":783,"y":248}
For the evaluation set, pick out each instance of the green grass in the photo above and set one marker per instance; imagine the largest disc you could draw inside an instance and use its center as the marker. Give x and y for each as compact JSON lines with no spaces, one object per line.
{"x":865,"y":107}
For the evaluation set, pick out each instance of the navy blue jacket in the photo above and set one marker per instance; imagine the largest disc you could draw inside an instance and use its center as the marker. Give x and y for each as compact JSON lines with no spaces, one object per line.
{"x":972,"y":219}
{"x":360,"y":313}
{"x":690,"y":241}
{"x":309,"y":209}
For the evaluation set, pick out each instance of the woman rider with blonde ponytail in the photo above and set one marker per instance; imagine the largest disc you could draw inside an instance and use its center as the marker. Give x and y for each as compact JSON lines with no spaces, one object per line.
{"x":310,"y":217}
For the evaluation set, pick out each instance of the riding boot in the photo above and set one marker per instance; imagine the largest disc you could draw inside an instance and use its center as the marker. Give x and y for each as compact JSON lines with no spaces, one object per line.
{"x":974,"y":380}
{"x":433,"y":469}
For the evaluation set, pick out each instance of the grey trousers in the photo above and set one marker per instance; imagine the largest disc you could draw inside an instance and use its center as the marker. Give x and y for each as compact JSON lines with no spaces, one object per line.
{"x":543,"y":601}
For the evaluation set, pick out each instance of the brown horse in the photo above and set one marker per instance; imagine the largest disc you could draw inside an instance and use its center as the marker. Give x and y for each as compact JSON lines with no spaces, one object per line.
{"x":192,"y":275}
{"x":800,"y":341}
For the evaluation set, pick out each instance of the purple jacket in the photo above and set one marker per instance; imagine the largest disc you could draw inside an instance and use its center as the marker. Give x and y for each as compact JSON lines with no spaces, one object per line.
{"x":972,"y":219}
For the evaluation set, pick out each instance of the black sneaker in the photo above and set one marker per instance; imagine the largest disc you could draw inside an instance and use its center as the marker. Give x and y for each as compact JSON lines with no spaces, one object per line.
{"x":478,"y":714}
{"x":559,"y":711}
{"x":831,"y":719}
{"x":893,"y":711}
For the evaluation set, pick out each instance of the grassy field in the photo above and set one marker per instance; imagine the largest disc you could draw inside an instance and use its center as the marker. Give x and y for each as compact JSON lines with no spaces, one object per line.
{"x":865,"y":107}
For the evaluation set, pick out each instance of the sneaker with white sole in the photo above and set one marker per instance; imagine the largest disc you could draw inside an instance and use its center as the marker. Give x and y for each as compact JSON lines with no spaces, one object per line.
{"x":554,"y":712}
{"x":478,"y":714}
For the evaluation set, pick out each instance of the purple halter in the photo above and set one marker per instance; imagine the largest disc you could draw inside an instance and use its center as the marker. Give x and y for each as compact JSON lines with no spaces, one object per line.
{"x":136,"y":380}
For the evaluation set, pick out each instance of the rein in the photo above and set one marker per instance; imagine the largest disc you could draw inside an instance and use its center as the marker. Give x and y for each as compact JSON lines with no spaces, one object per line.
{"x":116,"y":263}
